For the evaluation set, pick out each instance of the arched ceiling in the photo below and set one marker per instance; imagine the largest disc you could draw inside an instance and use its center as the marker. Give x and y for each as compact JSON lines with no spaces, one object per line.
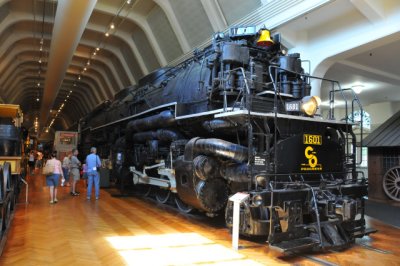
{"x":148,"y":34}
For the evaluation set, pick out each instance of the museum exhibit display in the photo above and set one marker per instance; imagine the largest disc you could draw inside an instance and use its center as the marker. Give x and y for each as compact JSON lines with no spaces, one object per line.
{"x":239,"y":116}
{"x":11,"y":167}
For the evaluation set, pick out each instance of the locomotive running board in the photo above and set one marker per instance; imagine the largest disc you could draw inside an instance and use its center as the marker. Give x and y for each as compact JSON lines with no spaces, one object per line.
{"x":295,"y":245}
{"x":245,"y":112}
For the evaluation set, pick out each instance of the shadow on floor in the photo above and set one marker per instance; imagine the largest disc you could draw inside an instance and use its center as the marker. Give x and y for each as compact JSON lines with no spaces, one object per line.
{"x":383,"y":211}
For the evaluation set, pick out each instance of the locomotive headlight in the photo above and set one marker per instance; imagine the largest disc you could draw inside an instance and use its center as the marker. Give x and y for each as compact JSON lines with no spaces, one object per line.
{"x":257,"y":200}
{"x":309,"y":105}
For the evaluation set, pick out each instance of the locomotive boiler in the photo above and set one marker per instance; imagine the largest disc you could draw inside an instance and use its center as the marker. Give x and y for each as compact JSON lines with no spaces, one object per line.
{"x":239,"y":116}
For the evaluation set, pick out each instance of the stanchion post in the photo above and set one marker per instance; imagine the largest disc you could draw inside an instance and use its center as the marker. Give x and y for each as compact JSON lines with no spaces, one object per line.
{"x":26,"y":190}
{"x":237,"y":199}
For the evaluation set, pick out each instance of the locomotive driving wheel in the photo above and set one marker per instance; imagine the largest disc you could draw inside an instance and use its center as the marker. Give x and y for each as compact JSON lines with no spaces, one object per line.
{"x":147,"y":191}
{"x":183,"y":207}
{"x":162,"y":195}
{"x":6,"y":213}
{"x":391,"y":183}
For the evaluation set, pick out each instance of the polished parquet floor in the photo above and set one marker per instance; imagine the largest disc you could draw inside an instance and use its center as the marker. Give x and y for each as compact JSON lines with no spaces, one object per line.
{"x":138,"y":231}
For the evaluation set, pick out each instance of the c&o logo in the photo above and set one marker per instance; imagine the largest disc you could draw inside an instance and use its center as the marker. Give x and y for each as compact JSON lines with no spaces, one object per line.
{"x":310,"y":153}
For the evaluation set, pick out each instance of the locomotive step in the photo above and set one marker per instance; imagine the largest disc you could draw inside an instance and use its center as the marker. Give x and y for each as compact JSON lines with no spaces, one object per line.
{"x":295,"y":245}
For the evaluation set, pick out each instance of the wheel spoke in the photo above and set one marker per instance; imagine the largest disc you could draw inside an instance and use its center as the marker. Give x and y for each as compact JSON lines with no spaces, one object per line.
{"x":397,"y":193}
{"x":392,"y":176}
{"x":388,"y":181}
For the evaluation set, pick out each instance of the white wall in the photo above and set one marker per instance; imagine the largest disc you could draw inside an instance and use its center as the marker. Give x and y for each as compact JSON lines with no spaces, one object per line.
{"x":379,"y":112}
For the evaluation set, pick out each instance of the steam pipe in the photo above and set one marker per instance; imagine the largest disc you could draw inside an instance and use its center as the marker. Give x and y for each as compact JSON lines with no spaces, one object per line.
{"x":161,"y":120}
{"x":216,"y":124}
{"x":144,"y":136}
{"x":236,"y":172}
{"x":168,"y":135}
{"x":161,"y":134}
{"x":205,"y":167}
{"x":215,"y":147}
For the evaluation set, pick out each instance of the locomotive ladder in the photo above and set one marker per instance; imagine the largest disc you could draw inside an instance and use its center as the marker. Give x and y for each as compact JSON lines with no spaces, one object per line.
{"x":350,"y":137}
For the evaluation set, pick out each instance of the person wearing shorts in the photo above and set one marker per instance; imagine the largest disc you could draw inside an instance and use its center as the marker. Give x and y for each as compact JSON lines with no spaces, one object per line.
{"x":52,"y":180}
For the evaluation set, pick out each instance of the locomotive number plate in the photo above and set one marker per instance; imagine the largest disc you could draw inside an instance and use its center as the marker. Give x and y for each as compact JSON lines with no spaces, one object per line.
{"x":309,"y":139}
{"x":292,"y":106}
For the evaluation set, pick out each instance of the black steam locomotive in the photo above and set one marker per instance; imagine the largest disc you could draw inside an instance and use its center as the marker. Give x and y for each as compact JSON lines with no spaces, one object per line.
{"x":238,"y":117}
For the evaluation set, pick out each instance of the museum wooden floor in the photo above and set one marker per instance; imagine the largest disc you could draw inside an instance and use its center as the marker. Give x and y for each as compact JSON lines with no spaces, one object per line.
{"x":136,"y":231}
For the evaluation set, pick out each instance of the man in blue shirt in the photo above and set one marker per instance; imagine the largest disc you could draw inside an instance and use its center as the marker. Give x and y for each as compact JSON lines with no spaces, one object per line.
{"x":93,"y":163}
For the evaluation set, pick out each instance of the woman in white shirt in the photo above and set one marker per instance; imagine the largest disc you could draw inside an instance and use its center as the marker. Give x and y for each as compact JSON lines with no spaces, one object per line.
{"x":52,"y":179}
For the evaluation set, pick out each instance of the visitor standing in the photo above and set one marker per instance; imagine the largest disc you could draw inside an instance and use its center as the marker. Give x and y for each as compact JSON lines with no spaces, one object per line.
{"x":93,"y":164}
{"x":66,"y":170}
{"x":39,"y":161}
{"x":52,"y":179}
{"x":74,"y":171}
{"x":31,"y":162}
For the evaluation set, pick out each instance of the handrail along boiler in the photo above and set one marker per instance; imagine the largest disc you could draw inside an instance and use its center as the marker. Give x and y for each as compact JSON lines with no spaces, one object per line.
{"x":238,"y":116}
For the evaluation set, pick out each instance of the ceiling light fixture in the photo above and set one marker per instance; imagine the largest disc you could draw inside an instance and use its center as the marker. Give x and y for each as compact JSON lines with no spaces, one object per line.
{"x":357,"y":88}
{"x":112,"y":26}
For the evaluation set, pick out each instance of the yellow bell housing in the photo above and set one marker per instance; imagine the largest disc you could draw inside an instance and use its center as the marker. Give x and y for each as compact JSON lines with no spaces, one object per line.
{"x":265,"y":38}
